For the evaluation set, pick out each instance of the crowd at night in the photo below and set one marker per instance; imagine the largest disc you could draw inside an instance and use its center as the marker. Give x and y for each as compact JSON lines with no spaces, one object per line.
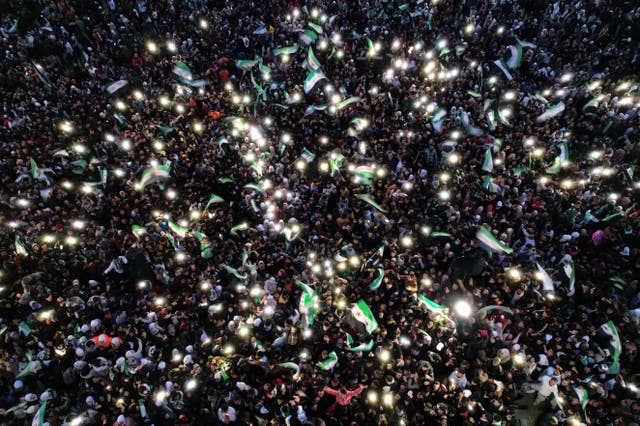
{"x":362,"y":212}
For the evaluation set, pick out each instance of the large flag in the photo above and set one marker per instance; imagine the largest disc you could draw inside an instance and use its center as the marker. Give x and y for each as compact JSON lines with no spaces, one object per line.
{"x":610,"y":330}
{"x":490,"y":242}
{"x":312,"y":79}
{"x":362,"y":313}
{"x":159,"y":173}
{"x":114,"y":86}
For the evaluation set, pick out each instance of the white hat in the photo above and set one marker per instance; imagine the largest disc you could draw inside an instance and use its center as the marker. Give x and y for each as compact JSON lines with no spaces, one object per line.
{"x":46,"y":395}
{"x":18,"y":384}
{"x":189,"y":348}
{"x":84,"y":328}
{"x":162,"y":365}
{"x":121,"y":419}
{"x":625,"y":251}
{"x":116,"y":341}
{"x":102,"y":338}
{"x":79,"y":353}
{"x":90,"y":400}
{"x":31,"y":397}
{"x":95,"y":323}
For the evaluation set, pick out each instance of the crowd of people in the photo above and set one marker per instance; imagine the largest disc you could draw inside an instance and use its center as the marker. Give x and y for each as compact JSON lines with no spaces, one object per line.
{"x":361,"y":212}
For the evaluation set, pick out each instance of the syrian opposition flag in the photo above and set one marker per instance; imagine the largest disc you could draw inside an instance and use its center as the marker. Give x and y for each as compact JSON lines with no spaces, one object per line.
{"x":138,"y":230}
{"x":182,"y":70}
{"x":551,"y":112}
{"x":21,"y":248}
{"x":498,"y":63}
{"x":291,"y":366}
{"x":564,"y":151}
{"x":593,"y":103}
{"x":38,"y":418}
{"x":437,"y":119}
{"x":329,"y":363}
{"x":515,"y":57}
{"x":214,"y":199}
{"x":570,"y":271}
{"x":377,"y":281}
{"x":246,"y":64}
{"x":159,"y":173}
{"x":490,"y":186}
{"x":547,"y":282}
{"x":312,"y":79}
{"x":312,"y":61}
{"x":364,"y":172}
{"x":490,"y":242}
{"x":309,"y":303}
{"x":470,"y":129}
{"x":583,"y":396}
{"x":610,"y":330}
{"x":315,"y":27}
{"x":364,"y":347}
{"x":363,"y":314}
{"x":178,"y":230}
{"x":287,"y":50}
{"x":348,"y":101}
{"x":308,"y":156}
{"x":308,"y":37}
{"x":114,"y":86}
{"x":432,"y":306}
{"x":487,"y":165}
{"x":369,"y":200}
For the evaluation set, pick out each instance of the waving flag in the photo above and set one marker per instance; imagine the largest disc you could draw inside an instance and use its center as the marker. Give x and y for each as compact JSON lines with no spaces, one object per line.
{"x":114,"y":86}
{"x":377,"y":281}
{"x":498,"y":63}
{"x":214,"y":199}
{"x":182,"y":70}
{"x":312,"y":79}
{"x":308,"y":37}
{"x":583,"y":396}
{"x":159,"y":173}
{"x":363,"y":314}
{"x":312,"y":61}
{"x":178,"y":230}
{"x":551,"y":112}
{"x":515,"y":58}
{"x":287,"y":50}
{"x":329,"y":363}
{"x":432,"y":306}
{"x":570,"y":271}
{"x":547,"y":282}
{"x":490,"y":242}
{"x":309,"y":303}
{"x":21,"y":248}
{"x":368,"y":199}
{"x":487,"y":165}
{"x":290,"y":365}
{"x":38,"y":418}
{"x":364,"y":347}
{"x":610,"y":330}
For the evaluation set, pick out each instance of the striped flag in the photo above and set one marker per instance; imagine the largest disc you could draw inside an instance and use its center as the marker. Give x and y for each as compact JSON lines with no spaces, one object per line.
{"x":138,"y":230}
{"x":309,"y":302}
{"x":24,"y":328}
{"x":377,"y":281}
{"x":564,"y":151}
{"x":308,"y":37}
{"x":432,"y":306}
{"x":178,"y":230}
{"x":329,"y":363}
{"x":368,"y":199}
{"x":312,"y":79}
{"x":159,"y":173}
{"x":491,"y":120}
{"x":364,"y":172}
{"x":583,"y":396}
{"x":255,"y":187}
{"x":490,"y":242}
{"x":246,"y":64}
{"x":610,"y":330}
{"x":525,"y":43}
{"x":312,"y":61}
{"x":182,"y":70}
{"x":515,"y":58}
{"x":570,"y":271}
{"x":38,"y":418}
{"x":290,"y":365}
{"x":114,"y":86}
{"x":214,"y":199}
{"x":551,"y":112}
{"x":234,"y":272}
{"x":487,"y":165}
{"x":287,"y":50}
{"x":474,"y":93}
{"x":308,"y":156}
{"x":363,"y":314}
{"x":498,"y":63}
{"x":364,"y":347}
{"x":547,"y":282}
{"x":472,"y":130}
{"x":317,"y":28}
{"x":347,"y":102}
{"x":21,"y":248}
{"x":593,"y":103}
{"x":240,"y":227}
{"x":437,"y":119}
{"x":14,"y":27}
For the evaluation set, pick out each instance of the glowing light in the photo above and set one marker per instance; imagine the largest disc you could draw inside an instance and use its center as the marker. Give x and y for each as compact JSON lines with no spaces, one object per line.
{"x":509,"y":96}
{"x":469,"y":28}
{"x":538,"y":152}
{"x":78,"y":224}
{"x":71,"y":240}
{"x":372,"y":397}
{"x":48,"y":238}
{"x":444,"y":195}
{"x":514,"y":274}
{"x":66,"y":127}
{"x":566,"y":77}
{"x":204,"y":24}
{"x":387,"y":399}
{"x":354,"y":261}
{"x":454,"y":158}
{"x":518,"y":359}
{"x":384,"y":355}
{"x":125,"y":144}
{"x":164,"y":101}
{"x":152,"y":47}
{"x":190,"y":385}
{"x":171,"y":45}
{"x":463,"y":308}
{"x":181,"y":257}
{"x":197,"y":127}
{"x":406,"y":241}
{"x":171,"y":194}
